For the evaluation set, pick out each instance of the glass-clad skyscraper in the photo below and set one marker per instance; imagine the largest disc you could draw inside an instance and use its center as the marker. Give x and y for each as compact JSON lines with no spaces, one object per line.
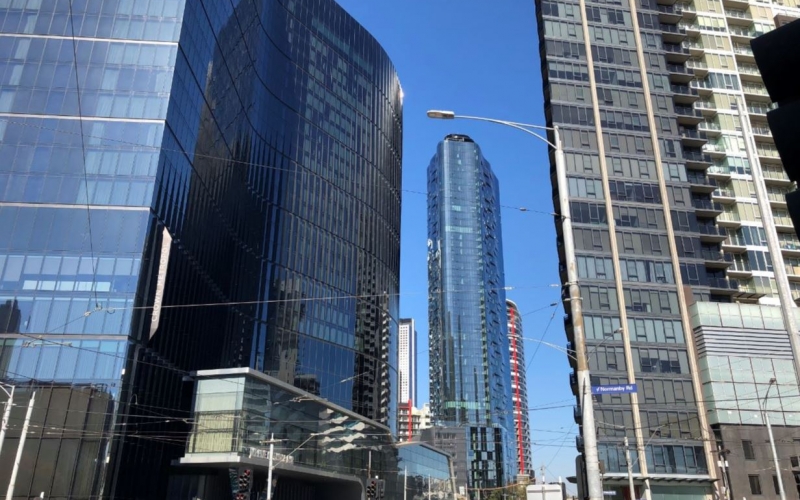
{"x":184,"y":186}
{"x":469,"y":362}
{"x":648,"y":95}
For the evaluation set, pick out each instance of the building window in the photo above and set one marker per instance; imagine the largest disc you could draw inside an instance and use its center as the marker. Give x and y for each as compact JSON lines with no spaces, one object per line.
{"x":755,"y":484}
{"x":775,"y":484}
{"x":749,"y":451}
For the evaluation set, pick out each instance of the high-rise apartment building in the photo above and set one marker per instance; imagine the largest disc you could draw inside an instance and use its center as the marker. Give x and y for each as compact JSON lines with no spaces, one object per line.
{"x":647,"y":95}
{"x":519,"y":390}
{"x":164,"y":154}
{"x":407,"y":374}
{"x":469,"y":370}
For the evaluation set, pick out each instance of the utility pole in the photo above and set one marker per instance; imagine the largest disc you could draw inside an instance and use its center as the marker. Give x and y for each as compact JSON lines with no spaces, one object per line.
{"x":6,"y":414}
{"x":15,"y":470}
{"x":269,"y":472}
{"x":591,"y":458}
{"x":369,"y":464}
{"x":781,"y":491}
{"x":405,"y":483}
{"x":723,"y":464}
{"x":630,"y":469}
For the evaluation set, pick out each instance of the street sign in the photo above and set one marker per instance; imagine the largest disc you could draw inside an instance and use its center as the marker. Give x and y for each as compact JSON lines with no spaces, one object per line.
{"x":614,"y":389}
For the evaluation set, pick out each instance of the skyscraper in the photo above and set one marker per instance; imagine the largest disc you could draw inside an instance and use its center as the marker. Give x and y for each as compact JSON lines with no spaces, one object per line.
{"x":407,"y":373}
{"x":165,"y":154}
{"x":519,"y":390}
{"x":469,"y":369}
{"x":647,"y":97}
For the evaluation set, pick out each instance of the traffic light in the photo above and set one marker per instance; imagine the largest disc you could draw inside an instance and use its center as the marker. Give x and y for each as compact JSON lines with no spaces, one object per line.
{"x":381,"y":494}
{"x":780,"y":71}
{"x":372,"y":489}
{"x":244,"y":481}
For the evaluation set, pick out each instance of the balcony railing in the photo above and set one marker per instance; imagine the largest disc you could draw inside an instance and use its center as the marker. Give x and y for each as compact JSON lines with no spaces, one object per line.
{"x":790,"y":244}
{"x":699,"y":178}
{"x":712,"y":230}
{"x":750,"y":69}
{"x":719,"y":169}
{"x":755,"y":89}
{"x":713,"y":148}
{"x":760,"y":110}
{"x":774,"y":173}
{"x":783,"y":221}
{"x":687,"y":111}
{"x":684,"y":90}
{"x":742,"y":49}
{"x":723,"y":283}
{"x":675,"y":48}
{"x":696,"y":156}
{"x":729,"y":217}
{"x":770,"y":152}
{"x":679,"y":68}
{"x":705,"y":105}
{"x":702,"y":204}
{"x":709,"y":126}
{"x":693,"y":134}
{"x":695,"y":64}
{"x":762,"y":131}
{"x":724,"y":193}
{"x":739,"y":14}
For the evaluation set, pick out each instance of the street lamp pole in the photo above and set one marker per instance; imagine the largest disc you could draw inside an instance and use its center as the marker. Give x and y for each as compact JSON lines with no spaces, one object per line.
{"x":576,"y":310}
{"x":781,"y":491}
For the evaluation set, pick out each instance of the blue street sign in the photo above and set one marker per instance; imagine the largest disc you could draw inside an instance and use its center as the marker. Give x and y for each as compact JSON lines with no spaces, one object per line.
{"x":614,"y":389}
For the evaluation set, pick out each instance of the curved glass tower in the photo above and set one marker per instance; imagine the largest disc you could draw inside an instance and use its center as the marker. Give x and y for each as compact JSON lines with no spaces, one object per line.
{"x":188,"y":186}
{"x":469,"y":362}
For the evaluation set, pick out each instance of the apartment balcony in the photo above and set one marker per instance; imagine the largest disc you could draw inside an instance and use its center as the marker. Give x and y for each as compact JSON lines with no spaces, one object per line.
{"x":733,"y":247}
{"x":713,"y":150}
{"x":706,"y":107}
{"x":678,"y":73}
{"x":737,"y":17}
{"x":755,"y":92}
{"x":719,"y":172}
{"x":683,"y":94}
{"x":783,"y":223}
{"x":689,"y":12}
{"x":706,"y":208}
{"x":775,"y":176}
{"x":710,"y":128}
{"x":700,"y":183}
{"x":762,"y":133}
{"x":670,"y":14}
{"x":724,"y":195}
{"x":777,"y":199}
{"x":729,"y":219}
{"x":759,"y":109}
{"x":672,"y":33}
{"x":696,"y":48}
{"x":735,"y":4}
{"x":749,"y":73}
{"x":747,"y":290}
{"x":711,"y":233}
{"x":703,"y":88}
{"x":790,"y":248}
{"x":743,"y":53}
{"x":696,"y":159}
{"x":692,"y":138}
{"x":741,"y":34}
{"x":715,"y":259}
{"x":675,"y":53}
{"x":692,"y":28}
{"x":793,"y":272}
{"x":687,"y":115}
{"x":699,"y":67}
{"x":740,"y":271}
{"x":723,"y":285}
{"x":666,"y":2}
{"x":768,"y":153}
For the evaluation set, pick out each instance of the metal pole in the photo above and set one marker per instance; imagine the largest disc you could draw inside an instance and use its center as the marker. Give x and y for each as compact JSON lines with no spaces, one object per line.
{"x":630,"y":470}
{"x":763,"y":410}
{"x":429,"y":487}
{"x":405,"y":483}
{"x":576,"y":309}
{"x":782,"y":282}
{"x":269,"y":472}
{"x":15,"y":470}
{"x":6,"y":415}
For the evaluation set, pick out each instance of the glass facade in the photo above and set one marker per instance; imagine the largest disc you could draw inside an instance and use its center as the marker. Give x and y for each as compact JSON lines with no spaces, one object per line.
{"x":519,"y":390}
{"x":469,"y":361}
{"x":165,"y":153}
{"x":237,"y":413}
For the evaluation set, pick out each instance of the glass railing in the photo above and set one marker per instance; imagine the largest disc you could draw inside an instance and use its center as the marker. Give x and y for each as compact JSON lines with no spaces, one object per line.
{"x":696,"y":156}
{"x":706,"y":204}
{"x":679,"y":68}
{"x":759,"y":110}
{"x":783,"y":221}
{"x":742,"y":49}
{"x":671,"y":28}
{"x":712,"y":230}
{"x":690,"y":44}
{"x":779,"y":197}
{"x":675,"y":48}
{"x":726,"y":193}
{"x":736,"y":30}
{"x":705,"y":105}
{"x":694,"y":177}
{"x":695,"y":64}
{"x":729,"y":216}
{"x":793,"y":270}
{"x":724,"y":283}
{"x":789,"y":244}
{"x":719,"y":169}
{"x":683,"y":90}
{"x":714,"y":148}
{"x":750,"y":69}
{"x":762,"y":131}
{"x":739,"y":14}
{"x":709,"y":126}
{"x":764,"y":150}
{"x":687,"y":111}
{"x":693,"y":134}
{"x":755,"y":89}
{"x":774,"y":173}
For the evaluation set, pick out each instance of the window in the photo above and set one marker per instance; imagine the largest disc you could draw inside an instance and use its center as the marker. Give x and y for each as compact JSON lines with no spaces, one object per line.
{"x":775,"y":484}
{"x":755,"y":484}
{"x":749,"y":451}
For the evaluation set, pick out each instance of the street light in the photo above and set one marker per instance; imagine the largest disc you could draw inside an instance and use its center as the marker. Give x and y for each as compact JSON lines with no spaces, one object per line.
{"x":576,"y":309}
{"x":772,"y":439}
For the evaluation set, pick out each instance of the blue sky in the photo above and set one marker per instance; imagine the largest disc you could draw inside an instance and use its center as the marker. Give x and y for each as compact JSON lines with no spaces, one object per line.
{"x":481,"y":58}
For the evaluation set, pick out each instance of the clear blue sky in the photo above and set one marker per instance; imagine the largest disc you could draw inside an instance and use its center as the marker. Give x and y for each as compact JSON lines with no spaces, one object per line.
{"x":479,"y":57}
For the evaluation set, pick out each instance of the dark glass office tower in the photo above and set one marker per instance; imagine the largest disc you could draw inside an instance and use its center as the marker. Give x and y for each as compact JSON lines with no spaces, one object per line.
{"x":469,"y":368}
{"x":184,"y":186}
